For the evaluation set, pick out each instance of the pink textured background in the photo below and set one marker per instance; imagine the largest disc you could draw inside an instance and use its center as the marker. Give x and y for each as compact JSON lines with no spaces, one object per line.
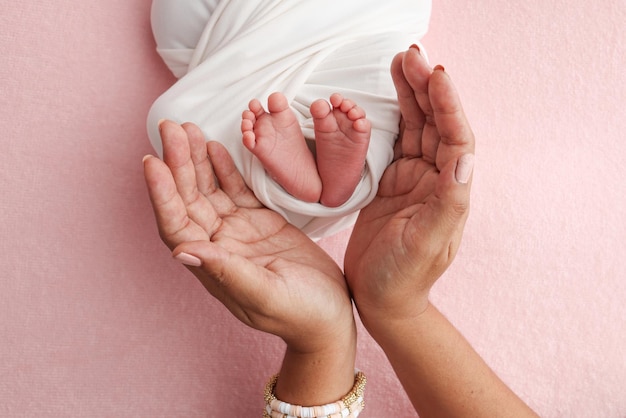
{"x":97,"y":321}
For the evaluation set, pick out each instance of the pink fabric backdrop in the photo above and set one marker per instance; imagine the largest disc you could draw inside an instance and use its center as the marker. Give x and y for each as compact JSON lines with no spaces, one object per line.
{"x":96,"y":320}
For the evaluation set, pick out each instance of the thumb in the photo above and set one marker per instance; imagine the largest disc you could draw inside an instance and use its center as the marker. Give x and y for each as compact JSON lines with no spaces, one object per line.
{"x":229,"y":277}
{"x":464,"y":168}
{"x":454,"y":183}
{"x":453,"y":195}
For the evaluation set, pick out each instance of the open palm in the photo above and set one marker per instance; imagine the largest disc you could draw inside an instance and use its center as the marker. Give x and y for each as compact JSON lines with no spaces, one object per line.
{"x":264,"y":270}
{"x":409,"y":234}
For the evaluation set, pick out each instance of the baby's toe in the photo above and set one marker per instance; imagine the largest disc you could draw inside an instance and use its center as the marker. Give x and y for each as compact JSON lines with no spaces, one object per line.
{"x":247,"y":125}
{"x":320,"y":109}
{"x":356,"y":113}
{"x":256,"y":107}
{"x":277,"y":102}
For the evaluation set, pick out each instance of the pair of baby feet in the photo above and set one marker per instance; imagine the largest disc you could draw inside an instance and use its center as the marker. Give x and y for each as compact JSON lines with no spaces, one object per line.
{"x":342,"y":135}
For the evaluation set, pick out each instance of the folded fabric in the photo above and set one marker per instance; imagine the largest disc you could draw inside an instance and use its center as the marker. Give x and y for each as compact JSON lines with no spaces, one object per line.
{"x":306,"y":49}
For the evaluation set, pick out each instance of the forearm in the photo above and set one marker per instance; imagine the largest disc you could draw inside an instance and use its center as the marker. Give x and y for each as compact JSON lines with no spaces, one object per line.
{"x":441,"y":373}
{"x":320,"y":377}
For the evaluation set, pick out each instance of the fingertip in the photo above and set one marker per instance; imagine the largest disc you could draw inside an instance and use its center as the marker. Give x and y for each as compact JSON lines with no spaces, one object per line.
{"x":167,"y":128}
{"x":188,"y":259}
{"x":441,"y":75}
{"x":165,"y":124}
{"x":455,"y":178}
{"x":464,"y":168}
{"x":147,"y":166}
{"x":215,"y":261}
{"x":192,"y":129}
{"x":416,"y":71}
{"x":213,"y":146}
{"x":396,"y":62}
{"x":415,"y":55}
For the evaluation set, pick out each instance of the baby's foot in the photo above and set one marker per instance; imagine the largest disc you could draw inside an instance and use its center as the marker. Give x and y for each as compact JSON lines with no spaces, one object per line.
{"x":276,"y":139}
{"x":342,"y":137}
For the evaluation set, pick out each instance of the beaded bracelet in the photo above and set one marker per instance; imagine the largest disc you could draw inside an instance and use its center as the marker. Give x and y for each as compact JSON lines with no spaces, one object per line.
{"x":350,"y":406}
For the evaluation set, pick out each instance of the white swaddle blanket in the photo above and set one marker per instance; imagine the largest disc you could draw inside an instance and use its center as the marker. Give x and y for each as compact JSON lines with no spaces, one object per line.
{"x":306,"y":49}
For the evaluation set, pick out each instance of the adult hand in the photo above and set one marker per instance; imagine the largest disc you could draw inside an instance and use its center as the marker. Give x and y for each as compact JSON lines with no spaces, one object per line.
{"x":264,"y":270}
{"x":406,"y":238}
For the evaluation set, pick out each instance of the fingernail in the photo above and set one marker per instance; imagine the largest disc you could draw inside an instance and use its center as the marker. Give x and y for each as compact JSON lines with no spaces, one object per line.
{"x":439,"y":67}
{"x":464,"y":168}
{"x":188,"y":259}
{"x":415,"y":46}
{"x":145,"y":158}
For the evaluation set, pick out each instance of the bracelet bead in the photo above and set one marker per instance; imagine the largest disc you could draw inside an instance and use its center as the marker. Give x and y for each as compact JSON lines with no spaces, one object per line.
{"x":350,"y":406}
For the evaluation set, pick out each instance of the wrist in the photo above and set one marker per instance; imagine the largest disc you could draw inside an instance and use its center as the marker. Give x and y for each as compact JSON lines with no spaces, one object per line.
{"x":315,"y":376}
{"x":384,"y":323}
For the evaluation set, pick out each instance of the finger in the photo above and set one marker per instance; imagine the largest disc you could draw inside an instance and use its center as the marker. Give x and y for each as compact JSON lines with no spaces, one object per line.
{"x":229,"y":178}
{"x":418,"y":73}
{"x":205,"y":179}
{"x":454,"y":182}
{"x":411,"y":73}
{"x":170,"y":212}
{"x":412,"y":118}
{"x":441,"y":221}
{"x":453,"y":191}
{"x":455,"y":154}
{"x":177,"y":156}
{"x":455,"y":134}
